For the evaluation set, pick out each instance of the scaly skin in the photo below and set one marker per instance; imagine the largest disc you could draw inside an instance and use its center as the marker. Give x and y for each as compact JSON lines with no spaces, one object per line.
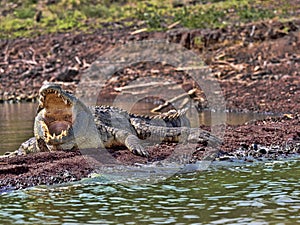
{"x":63,"y":122}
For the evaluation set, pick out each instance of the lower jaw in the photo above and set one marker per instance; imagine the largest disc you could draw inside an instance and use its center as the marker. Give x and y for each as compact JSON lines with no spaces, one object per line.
{"x":61,"y":146}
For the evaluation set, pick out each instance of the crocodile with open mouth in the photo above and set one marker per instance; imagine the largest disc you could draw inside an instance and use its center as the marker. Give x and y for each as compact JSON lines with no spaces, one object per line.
{"x":63,"y":122}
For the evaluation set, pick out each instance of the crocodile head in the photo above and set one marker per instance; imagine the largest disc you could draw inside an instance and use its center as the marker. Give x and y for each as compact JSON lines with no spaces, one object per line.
{"x":62,"y":120}
{"x":55,"y":112}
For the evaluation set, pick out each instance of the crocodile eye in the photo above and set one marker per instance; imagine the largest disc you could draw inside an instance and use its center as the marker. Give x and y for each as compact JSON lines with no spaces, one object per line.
{"x":69,"y":92}
{"x":67,"y":117}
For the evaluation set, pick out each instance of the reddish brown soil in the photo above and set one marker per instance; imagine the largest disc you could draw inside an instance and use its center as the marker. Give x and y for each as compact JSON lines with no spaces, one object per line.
{"x":42,"y":168}
{"x":257,"y":66}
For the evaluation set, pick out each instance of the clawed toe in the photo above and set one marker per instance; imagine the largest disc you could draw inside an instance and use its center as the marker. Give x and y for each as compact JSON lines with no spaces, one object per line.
{"x":139,"y":150}
{"x":134,"y":145}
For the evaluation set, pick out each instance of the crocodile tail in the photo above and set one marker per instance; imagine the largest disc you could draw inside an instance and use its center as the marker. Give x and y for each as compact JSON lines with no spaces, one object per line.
{"x":171,"y":118}
{"x":171,"y":114}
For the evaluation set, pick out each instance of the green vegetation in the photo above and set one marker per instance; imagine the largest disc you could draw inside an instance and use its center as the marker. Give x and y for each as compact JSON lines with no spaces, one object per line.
{"x":33,"y":17}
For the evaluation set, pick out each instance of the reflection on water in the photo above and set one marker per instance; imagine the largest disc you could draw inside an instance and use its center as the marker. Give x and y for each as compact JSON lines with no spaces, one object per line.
{"x":17,"y":121}
{"x":232,"y":118}
{"x":16,"y":125}
{"x":261,"y":193}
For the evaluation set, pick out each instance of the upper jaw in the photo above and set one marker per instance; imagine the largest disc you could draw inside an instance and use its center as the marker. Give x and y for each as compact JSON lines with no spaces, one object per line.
{"x":67,"y":98}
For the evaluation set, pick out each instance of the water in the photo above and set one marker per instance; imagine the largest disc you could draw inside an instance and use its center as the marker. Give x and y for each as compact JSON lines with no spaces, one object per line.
{"x":16,"y":122}
{"x":261,"y":193}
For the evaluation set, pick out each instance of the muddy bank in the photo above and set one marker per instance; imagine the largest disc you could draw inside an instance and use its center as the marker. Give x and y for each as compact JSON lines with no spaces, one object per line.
{"x":262,"y":50}
{"x":274,"y":96}
{"x":268,"y":139}
{"x":42,"y":169}
{"x":256,"y":65}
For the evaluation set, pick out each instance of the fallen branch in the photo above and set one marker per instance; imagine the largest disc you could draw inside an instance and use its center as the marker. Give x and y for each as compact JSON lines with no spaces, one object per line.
{"x":175,"y":99}
{"x":31,"y":62}
{"x":139,"y":31}
{"x":134,"y":86}
{"x":173,"y":25}
{"x":238,"y":67}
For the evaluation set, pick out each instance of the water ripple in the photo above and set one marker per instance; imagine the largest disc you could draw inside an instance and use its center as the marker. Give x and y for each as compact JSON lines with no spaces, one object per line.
{"x":259,"y":193}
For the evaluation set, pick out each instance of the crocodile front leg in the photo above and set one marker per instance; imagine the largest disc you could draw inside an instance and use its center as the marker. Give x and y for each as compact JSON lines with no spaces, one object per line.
{"x":112,"y":137}
{"x":9,"y":154}
{"x":133,"y":143}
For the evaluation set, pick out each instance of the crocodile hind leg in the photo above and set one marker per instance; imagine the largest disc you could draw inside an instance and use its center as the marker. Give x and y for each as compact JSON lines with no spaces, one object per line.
{"x":173,"y":134}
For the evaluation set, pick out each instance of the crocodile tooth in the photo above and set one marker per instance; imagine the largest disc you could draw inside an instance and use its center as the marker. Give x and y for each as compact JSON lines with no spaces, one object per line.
{"x":47,"y":138}
{"x":53,"y":136}
{"x":61,"y":134}
{"x":58,"y":94}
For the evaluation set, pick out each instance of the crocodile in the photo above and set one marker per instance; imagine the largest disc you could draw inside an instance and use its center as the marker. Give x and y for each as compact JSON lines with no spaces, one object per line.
{"x":63,"y":122}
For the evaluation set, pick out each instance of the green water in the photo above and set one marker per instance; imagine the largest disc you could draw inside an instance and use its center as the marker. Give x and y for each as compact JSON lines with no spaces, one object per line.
{"x":16,"y":125}
{"x":260,"y":193}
